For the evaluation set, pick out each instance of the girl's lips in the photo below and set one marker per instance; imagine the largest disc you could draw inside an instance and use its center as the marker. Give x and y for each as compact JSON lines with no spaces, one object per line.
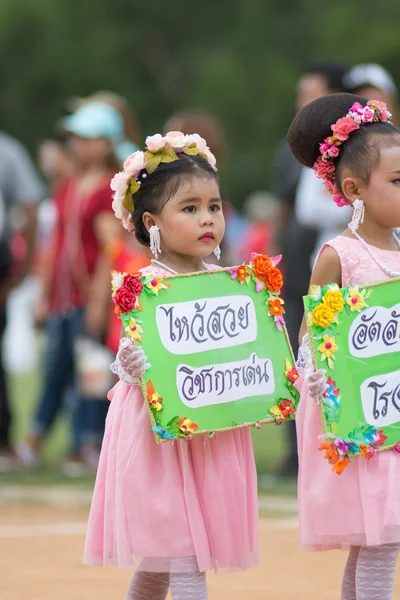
{"x":207,"y":237}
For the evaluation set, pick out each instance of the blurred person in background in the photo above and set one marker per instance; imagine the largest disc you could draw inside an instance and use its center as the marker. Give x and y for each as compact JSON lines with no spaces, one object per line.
{"x":373,"y":81}
{"x":54,"y":158}
{"x":206,"y":125}
{"x":20,"y":193}
{"x":261,"y":212}
{"x":295,"y":240}
{"x":77,"y":266}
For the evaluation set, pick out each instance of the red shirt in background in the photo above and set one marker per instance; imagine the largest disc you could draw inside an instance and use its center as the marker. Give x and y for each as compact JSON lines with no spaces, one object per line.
{"x":76,"y":248}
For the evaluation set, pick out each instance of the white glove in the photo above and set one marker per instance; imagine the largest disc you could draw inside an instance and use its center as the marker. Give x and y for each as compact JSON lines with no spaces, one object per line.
{"x":130,"y":362}
{"x":317,"y":384}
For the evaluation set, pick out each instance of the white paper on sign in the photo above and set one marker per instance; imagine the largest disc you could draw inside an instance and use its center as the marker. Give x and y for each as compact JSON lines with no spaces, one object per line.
{"x":217,"y":384}
{"x":375,"y":331}
{"x":380,"y":397}
{"x":206,"y":324}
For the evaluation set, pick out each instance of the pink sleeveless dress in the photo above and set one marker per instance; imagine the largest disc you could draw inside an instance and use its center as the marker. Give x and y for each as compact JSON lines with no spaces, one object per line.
{"x":171,"y":507}
{"x":362,"y":505}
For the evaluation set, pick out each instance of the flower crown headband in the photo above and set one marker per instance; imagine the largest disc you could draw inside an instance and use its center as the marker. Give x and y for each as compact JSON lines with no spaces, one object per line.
{"x":159,"y":149}
{"x":324,"y":167}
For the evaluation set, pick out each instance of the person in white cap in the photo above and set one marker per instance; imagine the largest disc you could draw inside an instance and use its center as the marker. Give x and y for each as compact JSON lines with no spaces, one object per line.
{"x":373,"y":81}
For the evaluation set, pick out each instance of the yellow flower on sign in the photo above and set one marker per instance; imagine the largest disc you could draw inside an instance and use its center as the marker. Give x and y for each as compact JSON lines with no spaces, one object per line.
{"x":334,"y":299}
{"x":322,"y":315}
{"x":187,"y":426}
{"x":153,"y":398}
{"x":356,"y":299}
{"x":134,"y":330}
{"x":328,"y":349}
{"x":156,"y":401}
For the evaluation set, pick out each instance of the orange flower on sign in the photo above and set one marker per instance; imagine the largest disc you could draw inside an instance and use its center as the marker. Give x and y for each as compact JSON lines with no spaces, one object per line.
{"x":275,"y":307}
{"x":262,"y":264}
{"x":367,"y":451}
{"x":274,"y":280}
{"x":340,"y":465}
{"x":242,"y":273}
{"x":331,"y":452}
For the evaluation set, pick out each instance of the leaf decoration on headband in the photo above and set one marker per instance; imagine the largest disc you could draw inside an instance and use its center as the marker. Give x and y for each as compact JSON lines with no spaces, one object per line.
{"x":358,"y":115}
{"x":159,"y":149}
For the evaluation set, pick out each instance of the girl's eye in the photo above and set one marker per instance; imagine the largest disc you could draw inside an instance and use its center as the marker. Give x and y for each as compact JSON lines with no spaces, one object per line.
{"x":215,"y":207}
{"x":396,"y":181}
{"x":190,"y":209}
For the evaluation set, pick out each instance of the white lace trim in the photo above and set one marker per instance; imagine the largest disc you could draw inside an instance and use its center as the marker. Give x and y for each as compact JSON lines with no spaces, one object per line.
{"x":117,"y":368}
{"x":304,"y":363}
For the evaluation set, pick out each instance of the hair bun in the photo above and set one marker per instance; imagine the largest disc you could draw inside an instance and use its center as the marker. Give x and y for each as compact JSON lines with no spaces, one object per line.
{"x":313,"y":124}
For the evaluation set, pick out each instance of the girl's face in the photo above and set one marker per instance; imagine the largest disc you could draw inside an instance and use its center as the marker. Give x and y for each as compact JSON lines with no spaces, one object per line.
{"x":382,"y":194}
{"x":89,"y":151}
{"x":192,"y":223}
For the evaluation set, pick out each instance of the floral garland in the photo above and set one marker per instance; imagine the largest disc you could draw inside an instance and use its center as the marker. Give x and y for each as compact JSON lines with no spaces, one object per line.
{"x":323,"y":315}
{"x":263,"y":271}
{"x":159,"y":149}
{"x":324,"y":167}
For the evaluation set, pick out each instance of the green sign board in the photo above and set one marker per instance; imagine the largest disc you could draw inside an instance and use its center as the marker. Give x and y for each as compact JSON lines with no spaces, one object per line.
{"x":354,"y":333}
{"x":218,"y":349}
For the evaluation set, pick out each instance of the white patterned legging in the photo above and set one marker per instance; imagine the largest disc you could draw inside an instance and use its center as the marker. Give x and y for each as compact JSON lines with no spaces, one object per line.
{"x":154,"y":586}
{"x":369,"y":572}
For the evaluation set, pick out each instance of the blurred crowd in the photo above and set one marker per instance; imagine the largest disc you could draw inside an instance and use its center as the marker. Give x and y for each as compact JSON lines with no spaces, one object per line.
{"x":59,"y":240}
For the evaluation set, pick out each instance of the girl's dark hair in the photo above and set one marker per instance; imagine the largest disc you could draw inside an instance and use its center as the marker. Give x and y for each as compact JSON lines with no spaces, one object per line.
{"x":158,"y":187}
{"x":359,"y":153}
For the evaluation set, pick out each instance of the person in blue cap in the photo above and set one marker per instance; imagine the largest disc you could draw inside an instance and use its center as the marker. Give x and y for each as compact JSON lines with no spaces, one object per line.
{"x":86,"y":226}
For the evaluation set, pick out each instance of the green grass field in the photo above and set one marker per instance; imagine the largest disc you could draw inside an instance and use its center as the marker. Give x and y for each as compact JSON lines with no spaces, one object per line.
{"x":269,"y":442}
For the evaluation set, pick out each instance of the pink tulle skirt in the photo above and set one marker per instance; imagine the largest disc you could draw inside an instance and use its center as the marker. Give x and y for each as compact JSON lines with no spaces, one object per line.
{"x":171,"y":507}
{"x":360,"y":507}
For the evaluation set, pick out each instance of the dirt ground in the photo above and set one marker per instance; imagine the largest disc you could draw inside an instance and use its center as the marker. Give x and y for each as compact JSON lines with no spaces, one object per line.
{"x":41,"y":548}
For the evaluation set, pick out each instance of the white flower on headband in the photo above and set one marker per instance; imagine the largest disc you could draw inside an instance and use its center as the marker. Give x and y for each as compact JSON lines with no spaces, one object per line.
{"x":134,"y":164}
{"x":176,"y":140}
{"x":159,"y":149}
{"x":156,"y":142}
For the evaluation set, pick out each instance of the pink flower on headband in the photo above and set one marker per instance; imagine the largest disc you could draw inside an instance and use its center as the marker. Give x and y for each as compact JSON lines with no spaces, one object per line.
{"x":339,"y":200}
{"x":343,"y":127}
{"x":385,"y":114}
{"x":333,"y":151}
{"x":368,"y":115}
{"x":330,"y":186}
{"x":323,"y":167}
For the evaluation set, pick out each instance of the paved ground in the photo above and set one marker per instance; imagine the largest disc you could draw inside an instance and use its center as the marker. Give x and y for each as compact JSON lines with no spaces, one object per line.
{"x":41,"y":547}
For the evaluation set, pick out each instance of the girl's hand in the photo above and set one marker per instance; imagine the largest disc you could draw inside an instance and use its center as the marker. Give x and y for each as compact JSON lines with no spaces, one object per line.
{"x":130,"y":362}
{"x":317,"y":384}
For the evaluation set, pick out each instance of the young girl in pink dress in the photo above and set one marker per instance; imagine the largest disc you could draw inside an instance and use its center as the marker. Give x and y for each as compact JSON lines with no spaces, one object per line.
{"x":172,"y":510}
{"x":356,"y":150}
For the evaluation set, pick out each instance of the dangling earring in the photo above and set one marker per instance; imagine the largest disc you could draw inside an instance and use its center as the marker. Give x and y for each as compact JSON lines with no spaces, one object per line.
{"x":217,"y":252}
{"x":155,"y":240}
{"x":358,"y":215}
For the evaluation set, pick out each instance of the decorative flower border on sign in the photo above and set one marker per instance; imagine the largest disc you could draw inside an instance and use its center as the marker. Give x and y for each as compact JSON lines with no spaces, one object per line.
{"x":326,"y":305}
{"x":325,"y":308}
{"x":268,"y":279}
{"x":127,"y":288}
